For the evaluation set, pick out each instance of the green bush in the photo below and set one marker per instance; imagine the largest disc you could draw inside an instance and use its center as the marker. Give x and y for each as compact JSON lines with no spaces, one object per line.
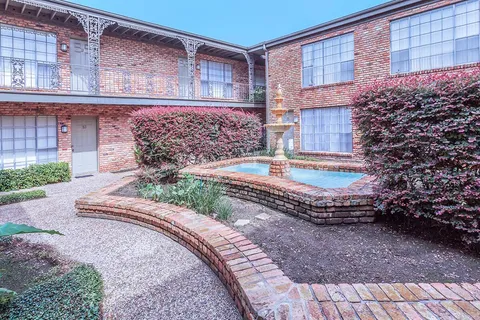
{"x":421,"y":138}
{"x":36,"y":175}
{"x":75,"y":295}
{"x":223,"y":209}
{"x":22,"y":196}
{"x":203,"y":197}
{"x":171,"y":138}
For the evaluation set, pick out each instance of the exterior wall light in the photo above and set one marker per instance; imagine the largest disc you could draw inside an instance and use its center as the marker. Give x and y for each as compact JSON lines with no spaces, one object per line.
{"x":295,"y":120}
{"x":64,"y":128}
{"x":198,"y":66}
{"x":64,"y":47}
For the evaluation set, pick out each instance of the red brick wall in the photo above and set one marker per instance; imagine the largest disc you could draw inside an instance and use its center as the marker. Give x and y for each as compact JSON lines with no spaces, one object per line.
{"x":372,"y":61}
{"x":115,"y":140}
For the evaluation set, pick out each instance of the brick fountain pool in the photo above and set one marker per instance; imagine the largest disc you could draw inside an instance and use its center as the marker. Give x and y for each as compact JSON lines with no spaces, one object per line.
{"x":321,"y":192}
{"x":332,"y":192}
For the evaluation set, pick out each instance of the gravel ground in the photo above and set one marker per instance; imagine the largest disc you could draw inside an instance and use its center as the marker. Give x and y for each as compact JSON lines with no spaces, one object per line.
{"x":378,"y":252}
{"x":146,"y":275}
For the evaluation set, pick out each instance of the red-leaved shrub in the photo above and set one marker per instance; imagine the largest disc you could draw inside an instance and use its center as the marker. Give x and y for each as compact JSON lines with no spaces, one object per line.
{"x":421,"y":138}
{"x":180,"y":136}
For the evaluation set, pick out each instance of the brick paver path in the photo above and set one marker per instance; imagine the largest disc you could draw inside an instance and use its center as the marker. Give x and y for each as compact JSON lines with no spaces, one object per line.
{"x":262,"y":291}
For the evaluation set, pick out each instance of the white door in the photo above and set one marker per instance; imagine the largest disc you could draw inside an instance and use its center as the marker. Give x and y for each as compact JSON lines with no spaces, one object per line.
{"x":84,"y":145}
{"x":183,"y":77}
{"x":79,"y":65}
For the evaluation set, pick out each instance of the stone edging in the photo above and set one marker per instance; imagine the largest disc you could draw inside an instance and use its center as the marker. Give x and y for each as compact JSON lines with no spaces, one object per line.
{"x":353,"y":204}
{"x":261,"y":290}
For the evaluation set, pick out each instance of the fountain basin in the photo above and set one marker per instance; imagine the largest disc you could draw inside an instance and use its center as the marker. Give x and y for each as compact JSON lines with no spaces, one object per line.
{"x":318,"y":178}
{"x":327,"y":204}
{"x":279,"y":127}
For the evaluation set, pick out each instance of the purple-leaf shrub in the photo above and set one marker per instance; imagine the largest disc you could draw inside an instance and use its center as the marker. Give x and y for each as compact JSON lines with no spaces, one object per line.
{"x":421,"y":138}
{"x":180,"y":136}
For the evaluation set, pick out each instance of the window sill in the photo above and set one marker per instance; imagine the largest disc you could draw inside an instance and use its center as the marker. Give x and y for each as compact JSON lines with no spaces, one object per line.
{"x":217,"y":98}
{"x":453,"y":68}
{"x":329,"y":85}
{"x":327,"y":153}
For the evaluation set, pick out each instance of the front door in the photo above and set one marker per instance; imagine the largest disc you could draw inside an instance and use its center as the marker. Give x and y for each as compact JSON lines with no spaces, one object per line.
{"x":183,"y":77}
{"x":79,"y":65}
{"x":84,"y":145}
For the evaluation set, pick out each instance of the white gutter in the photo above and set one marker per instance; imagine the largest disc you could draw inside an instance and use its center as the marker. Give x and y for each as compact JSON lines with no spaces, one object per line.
{"x":267,"y":95}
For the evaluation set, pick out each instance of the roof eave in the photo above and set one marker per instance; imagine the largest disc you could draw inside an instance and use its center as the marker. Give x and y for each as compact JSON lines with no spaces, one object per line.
{"x":146,"y":24}
{"x":345,"y":21}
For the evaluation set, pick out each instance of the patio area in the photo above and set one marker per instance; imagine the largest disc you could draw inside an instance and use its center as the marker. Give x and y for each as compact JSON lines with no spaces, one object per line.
{"x":136,"y":263}
{"x":260,"y":287}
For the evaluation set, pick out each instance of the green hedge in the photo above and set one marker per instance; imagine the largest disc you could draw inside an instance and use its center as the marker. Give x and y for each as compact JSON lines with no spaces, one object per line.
{"x":75,"y":295}
{"x":35,"y":175}
{"x":421,"y":138}
{"x":22,"y":196}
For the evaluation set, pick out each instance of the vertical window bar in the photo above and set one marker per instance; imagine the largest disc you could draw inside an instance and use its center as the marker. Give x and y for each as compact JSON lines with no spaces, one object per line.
{"x":454,"y":18}
{"x":1,"y":140}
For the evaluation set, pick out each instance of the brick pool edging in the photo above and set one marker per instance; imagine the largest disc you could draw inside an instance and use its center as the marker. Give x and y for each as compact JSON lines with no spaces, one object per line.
{"x":261,"y":290}
{"x":353,"y":204}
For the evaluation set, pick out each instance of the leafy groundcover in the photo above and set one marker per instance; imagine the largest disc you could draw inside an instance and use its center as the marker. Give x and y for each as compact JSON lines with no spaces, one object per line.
{"x":74,"y":295}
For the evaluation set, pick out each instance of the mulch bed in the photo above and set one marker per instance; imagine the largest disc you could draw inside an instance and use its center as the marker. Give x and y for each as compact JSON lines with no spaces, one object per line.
{"x":128,"y":191}
{"x":369,"y":253}
{"x":379,"y":252}
{"x":23,"y":264}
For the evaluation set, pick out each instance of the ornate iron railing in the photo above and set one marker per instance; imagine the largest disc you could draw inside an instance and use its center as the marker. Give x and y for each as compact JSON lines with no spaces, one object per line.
{"x":52,"y":77}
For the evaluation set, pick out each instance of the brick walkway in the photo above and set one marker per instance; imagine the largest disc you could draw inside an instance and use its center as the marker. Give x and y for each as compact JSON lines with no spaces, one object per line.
{"x":259,"y":287}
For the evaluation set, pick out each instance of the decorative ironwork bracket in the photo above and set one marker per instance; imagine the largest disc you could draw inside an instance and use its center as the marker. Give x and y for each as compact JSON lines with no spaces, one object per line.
{"x":191,"y":46}
{"x":94,"y":27}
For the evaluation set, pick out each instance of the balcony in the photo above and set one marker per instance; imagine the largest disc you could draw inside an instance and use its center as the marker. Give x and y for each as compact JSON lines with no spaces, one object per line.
{"x":21,"y":75}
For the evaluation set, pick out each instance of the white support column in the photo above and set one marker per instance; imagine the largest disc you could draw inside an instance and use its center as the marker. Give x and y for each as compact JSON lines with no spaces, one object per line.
{"x":191,"y":46}
{"x":94,"y":27}
{"x":251,"y":74}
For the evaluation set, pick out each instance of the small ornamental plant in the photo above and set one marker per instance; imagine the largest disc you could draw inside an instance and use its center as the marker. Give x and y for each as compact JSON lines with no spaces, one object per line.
{"x":420,"y":137}
{"x":171,"y":138}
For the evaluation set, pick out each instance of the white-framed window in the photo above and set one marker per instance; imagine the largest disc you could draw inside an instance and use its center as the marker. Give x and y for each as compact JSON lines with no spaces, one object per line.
{"x":444,"y":37}
{"x":327,"y":129}
{"x":34,"y":51}
{"x":26,"y":140}
{"x":328,"y":61}
{"x":216,"y":79}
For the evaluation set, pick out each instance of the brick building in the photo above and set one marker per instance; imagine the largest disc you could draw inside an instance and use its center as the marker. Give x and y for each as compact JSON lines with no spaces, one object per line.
{"x":71,"y":75}
{"x":321,"y":67}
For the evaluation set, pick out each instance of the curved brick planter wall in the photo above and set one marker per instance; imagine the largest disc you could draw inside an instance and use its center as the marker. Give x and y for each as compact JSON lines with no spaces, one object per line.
{"x":320,"y":206}
{"x":259,"y":287}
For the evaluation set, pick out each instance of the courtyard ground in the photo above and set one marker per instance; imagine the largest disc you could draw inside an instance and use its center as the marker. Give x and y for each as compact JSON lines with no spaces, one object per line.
{"x":370,"y":253}
{"x":374,"y":253}
{"x":146,"y":275}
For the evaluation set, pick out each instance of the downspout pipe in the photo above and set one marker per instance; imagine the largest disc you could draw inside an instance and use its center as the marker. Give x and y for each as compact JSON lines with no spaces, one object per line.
{"x":267,"y":94}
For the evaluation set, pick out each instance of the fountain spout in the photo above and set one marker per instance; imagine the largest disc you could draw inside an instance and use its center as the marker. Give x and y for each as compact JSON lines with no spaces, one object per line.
{"x":279,"y":166}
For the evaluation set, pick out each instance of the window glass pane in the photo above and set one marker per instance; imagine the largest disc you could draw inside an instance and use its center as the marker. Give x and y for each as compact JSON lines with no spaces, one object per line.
{"x":437,"y":38}
{"x":326,"y":129}
{"x":216,"y":79}
{"x":324,"y":62}
{"x":31,"y":46}
{"x":23,"y":137}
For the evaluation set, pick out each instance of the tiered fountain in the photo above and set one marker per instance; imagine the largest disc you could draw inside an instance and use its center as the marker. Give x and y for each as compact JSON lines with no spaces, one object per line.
{"x":279,"y":166}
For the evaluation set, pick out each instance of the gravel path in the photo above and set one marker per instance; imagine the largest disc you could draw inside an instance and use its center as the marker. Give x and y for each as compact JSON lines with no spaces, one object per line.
{"x":146,"y":275}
